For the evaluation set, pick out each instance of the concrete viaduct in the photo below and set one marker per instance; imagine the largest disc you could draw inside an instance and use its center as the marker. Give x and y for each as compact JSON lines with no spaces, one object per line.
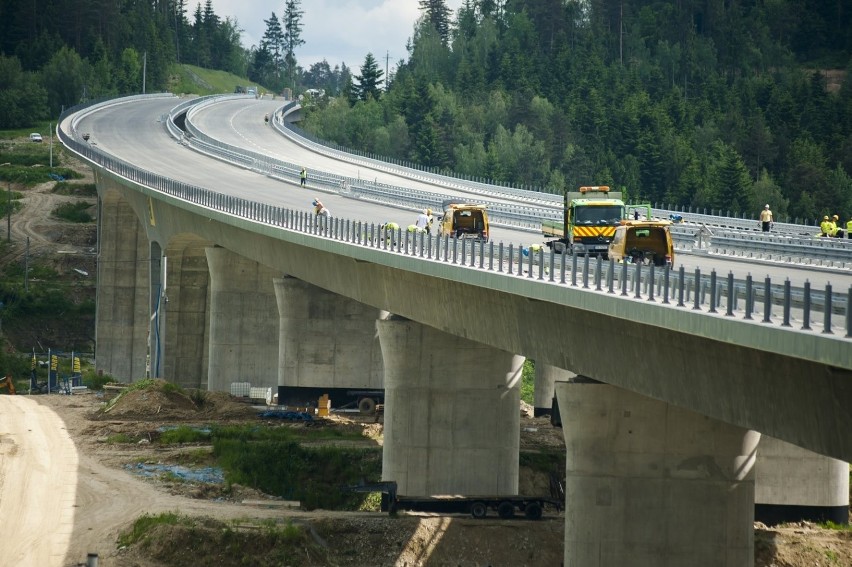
{"x":662,"y":424}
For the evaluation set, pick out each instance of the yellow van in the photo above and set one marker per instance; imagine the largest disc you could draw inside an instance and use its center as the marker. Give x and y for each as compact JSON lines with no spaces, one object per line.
{"x":646,"y":242}
{"x":464,"y":220}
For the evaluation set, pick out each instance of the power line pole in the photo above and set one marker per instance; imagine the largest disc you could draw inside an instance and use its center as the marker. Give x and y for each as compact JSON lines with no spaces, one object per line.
{"x":387,"y":60}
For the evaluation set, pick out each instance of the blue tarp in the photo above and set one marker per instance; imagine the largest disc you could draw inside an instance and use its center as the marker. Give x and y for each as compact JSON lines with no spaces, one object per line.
{"x":209,"y":475}
{"x":286,"y":414}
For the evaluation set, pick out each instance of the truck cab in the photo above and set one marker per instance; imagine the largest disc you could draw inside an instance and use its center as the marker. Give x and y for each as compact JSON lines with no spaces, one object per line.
{"x":464,"y":220}
{"x":590,"y":217}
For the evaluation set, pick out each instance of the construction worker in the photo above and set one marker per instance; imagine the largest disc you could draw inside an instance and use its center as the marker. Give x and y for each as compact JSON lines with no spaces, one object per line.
{"x":320,"y":210}
{"x":422,"y":221}
{"x":849,"y":229}
{"x":836,"y":231}
{"x":825,"y":226}
{"x":388,"y":229}
{"x":303,"y":176}
{"x":766,"y":219}
{"x":431,"y":220}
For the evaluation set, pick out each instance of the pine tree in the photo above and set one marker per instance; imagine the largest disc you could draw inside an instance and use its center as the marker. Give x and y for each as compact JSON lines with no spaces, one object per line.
{"x":292,"y":20}
{"x":437,"y":13}
{"x":370,"y":80}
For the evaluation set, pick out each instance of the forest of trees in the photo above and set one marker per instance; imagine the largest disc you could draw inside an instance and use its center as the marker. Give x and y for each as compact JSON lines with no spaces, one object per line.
{"x":56,"y":54}
{"x":723,"y":104}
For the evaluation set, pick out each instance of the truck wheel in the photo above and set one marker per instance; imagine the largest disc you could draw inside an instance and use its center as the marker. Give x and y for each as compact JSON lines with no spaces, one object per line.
{"x":478,"y":510}
{"x":506,"y":510}
{"x":533,"y":511}
{"x":367,"y":406}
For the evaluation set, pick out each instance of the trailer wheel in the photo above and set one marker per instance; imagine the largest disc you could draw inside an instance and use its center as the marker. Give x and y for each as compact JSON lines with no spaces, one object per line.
{"x":478,"y":510}
{"x":506,"y":509}
{"x":533,"y":511}
{"x":367,"y":406}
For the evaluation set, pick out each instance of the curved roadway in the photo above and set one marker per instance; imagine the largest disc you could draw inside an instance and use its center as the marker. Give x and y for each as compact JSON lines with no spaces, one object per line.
{"x":133,"y":132}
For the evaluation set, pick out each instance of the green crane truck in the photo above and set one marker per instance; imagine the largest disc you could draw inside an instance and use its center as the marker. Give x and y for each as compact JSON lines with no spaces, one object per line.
{"x":590,"y":217}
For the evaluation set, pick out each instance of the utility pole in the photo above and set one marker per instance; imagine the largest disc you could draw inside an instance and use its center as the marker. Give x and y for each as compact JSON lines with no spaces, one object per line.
{"x":144,"y":70}
{"x":9,"y":211}
{"x":51,"y":145}
{"x":27,"y":268}
{"x":387,"y":60}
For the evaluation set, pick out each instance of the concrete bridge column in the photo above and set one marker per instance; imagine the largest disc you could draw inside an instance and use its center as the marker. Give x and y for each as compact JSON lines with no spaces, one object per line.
{"x":243,"y":321}
{"x":793,"y":484}
{"x":545,"y":378}
{"x":327,"y":341}
{"x":452,"y":412}
{"x":186,"y":323}
{"x":123,"y":293}
{"x":652,"y":485}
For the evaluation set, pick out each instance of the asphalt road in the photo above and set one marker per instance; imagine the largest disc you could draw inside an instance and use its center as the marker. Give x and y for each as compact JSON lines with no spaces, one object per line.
{"x":134,"y":133}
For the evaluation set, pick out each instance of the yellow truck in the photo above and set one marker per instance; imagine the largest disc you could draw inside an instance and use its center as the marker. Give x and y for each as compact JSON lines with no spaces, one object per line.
{"x":464,"y":220}
{"x":590,"y":217}
{"x":643,"y":241}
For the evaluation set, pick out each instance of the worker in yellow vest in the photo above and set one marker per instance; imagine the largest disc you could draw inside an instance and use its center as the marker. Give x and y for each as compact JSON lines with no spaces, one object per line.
{"x":825,"y":226}
{"x":836,"y":231}
{"x":849,"y":229}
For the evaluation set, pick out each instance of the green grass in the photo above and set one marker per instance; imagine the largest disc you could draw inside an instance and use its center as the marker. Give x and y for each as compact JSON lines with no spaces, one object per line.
{"x":268,"y":459}
{"x":528,"y":382}
{"x":146,"y":523}
{"x":838,"y":527}
{"x":74,"y":212}
{"x":197,"y":80}
{"x":120,"y":438}
{"x":75,"y":189}
{"x":183,"y":434}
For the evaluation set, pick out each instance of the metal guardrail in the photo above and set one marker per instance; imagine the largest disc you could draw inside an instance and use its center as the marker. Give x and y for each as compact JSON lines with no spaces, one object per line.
{"x":521,"y":216}
{"x":507,"y":214}
{"x":668,"y":289}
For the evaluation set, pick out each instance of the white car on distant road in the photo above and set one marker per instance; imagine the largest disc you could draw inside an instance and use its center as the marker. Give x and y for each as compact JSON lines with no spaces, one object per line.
{"x":35,"y":137}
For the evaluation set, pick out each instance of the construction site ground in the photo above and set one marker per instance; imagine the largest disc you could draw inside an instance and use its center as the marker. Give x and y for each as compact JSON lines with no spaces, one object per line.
{"x":65,"y":492}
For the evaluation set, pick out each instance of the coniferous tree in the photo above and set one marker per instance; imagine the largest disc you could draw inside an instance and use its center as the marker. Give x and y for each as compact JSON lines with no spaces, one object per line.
{"x":271,"y":52}
{"x":370,"y":80}
{"x":437,"y":14}
{"x":292,"y":19}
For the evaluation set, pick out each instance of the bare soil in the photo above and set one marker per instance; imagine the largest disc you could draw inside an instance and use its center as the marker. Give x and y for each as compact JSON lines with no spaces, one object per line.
{"x":65,"y":490}
{"x":229,"y":521}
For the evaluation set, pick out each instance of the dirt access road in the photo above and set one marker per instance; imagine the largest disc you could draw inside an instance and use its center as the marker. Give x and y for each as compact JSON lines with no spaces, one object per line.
{"x":65,"y":493}
{"x":59,"y":503}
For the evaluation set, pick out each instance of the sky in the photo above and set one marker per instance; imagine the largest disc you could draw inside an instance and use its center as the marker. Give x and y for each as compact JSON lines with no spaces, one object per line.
{"x":339,"y":31}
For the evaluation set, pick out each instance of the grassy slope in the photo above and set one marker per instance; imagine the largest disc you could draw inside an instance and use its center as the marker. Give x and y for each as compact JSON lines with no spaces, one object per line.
{"x":197,"y":80}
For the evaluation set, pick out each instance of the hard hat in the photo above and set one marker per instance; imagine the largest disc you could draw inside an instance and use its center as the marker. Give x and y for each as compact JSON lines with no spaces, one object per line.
{"x":766,"y":206}
{"x":835,"y":217}
{"x":825,"y":217}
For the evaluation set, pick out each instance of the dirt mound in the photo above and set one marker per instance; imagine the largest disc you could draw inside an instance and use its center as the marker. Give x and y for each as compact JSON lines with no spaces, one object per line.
{"x":160,"y":400}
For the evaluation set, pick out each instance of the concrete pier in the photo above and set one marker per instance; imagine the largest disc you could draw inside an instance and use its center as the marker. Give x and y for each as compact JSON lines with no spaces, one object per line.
{"x":793,"y":484}
{"x":327,"y":341}
{"x":546,"y":377}
{"x":243,"y":321}
{"x":123,"y":294}
{"x":452,"y":412}
{"x":185,"y":315}
{"x":652,"y":485}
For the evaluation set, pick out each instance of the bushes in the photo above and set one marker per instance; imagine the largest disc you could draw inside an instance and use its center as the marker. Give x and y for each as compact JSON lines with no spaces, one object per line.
{"x":270,"y":461}
{"x":73,"y":212}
